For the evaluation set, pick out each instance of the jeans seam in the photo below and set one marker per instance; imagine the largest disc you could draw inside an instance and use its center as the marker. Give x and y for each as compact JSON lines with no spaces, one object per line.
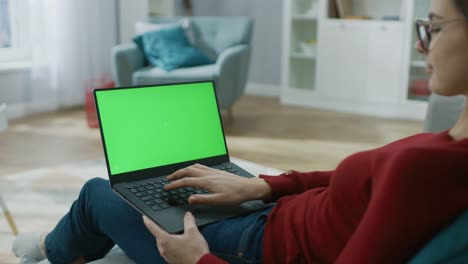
{"x":247,"y":233}
{"x":244,"y":237}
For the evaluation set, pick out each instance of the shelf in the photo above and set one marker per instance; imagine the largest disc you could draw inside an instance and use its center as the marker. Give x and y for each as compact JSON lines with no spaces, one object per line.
{"x":302,"y":72}
{"x":300,"y":55}
{"x":304,"y":17}
{"x":418,"y":64}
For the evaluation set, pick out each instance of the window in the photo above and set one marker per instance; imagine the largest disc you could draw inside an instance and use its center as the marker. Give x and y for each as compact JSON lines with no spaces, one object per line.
{"x":13,"y":31}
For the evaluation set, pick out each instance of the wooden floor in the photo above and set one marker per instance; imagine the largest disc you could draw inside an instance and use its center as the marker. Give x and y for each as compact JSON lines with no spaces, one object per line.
{"x":264,"y":131}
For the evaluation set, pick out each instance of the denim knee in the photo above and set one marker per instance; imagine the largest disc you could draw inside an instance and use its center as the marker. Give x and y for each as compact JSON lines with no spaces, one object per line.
{"x":89,"y":197}
{"x":93,"y":185}
{"x":77,"y":233}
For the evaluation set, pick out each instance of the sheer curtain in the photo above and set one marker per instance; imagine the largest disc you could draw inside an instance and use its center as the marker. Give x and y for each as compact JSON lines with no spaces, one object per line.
{"x":71,"y":42}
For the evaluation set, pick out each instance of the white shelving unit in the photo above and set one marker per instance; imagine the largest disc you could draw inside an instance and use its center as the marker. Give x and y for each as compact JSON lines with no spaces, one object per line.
{"x":357,"y":64}
{"x":300,"y":55}
{"x":300,"y":49}
{"x":417,"y":78}
{"x":304,"y":17}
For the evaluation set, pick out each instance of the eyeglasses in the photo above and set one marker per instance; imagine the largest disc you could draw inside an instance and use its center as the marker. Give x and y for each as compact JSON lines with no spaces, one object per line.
{"x":425,"y":29}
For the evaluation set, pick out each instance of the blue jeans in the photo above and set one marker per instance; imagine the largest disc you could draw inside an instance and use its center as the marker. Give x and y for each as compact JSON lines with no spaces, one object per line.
{"x":99,"y":219}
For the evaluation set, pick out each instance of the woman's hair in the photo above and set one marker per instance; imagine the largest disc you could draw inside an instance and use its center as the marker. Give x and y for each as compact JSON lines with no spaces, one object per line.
{"x":463,"y":6}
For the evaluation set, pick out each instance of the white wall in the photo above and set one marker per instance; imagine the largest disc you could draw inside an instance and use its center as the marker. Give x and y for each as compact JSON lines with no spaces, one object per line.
{"x":265,"y":67}
{"x":130,"y":12}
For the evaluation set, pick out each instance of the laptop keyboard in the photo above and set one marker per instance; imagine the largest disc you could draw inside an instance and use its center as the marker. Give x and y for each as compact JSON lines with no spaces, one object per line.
{"x":153,"y":194}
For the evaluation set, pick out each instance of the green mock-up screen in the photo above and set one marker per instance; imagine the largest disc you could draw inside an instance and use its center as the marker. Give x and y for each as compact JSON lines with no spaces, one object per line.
{"x":155,"y":126}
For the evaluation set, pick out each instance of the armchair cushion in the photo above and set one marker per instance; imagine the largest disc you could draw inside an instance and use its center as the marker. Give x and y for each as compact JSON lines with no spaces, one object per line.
{"x":169,"y":49}
{"x":448,"y":246}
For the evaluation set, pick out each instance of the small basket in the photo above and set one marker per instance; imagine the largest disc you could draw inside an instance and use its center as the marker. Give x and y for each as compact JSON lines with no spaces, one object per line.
{"x":100,"y":83}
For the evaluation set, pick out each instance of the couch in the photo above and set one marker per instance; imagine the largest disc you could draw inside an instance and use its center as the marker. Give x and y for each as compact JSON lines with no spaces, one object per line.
{"x":449,"y":246}
{"x":226,"y":40}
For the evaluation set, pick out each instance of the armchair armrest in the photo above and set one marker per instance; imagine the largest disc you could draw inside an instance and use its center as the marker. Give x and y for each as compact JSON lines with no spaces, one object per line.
{"x":442,"y":112}
{"x":450,"y":245}
{"x":232,"y":67}
{"x":126,"y":59}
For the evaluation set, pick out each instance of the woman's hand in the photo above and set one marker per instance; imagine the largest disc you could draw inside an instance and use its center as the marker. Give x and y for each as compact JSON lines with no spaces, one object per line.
{"x":184,"y":249}
{"x":225,"y":188}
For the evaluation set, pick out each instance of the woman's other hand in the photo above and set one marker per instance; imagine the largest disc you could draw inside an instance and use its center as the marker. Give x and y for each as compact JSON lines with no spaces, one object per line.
{"x":184,"y":249}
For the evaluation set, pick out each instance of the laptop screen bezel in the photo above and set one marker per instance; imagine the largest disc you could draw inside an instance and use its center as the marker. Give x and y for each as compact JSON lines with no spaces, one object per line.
{"x":160,"y":170}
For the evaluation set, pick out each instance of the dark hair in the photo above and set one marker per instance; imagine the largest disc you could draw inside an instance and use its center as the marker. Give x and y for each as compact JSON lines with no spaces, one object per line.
{"x":463,"y":6}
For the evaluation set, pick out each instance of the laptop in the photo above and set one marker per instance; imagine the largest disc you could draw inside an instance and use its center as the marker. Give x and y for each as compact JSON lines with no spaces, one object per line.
{"x":149,"y":132}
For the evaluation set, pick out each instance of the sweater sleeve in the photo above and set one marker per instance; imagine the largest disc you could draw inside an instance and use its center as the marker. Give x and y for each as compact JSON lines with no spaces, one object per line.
{"x":294,"y":182}
{"x":210,"y":259}
{"x":409,"y":204}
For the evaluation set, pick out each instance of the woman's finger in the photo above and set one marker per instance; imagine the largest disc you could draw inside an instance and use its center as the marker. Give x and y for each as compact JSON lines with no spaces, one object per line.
{"x":187,"y":182}
{"x":190,"y":225}
{"x":201,"y":166}
{"x":186,"y":172}
{"x":212,"y":199}
{"x":154,"y":228}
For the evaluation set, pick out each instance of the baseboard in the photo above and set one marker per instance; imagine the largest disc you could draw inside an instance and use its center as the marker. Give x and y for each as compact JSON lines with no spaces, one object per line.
{"x":415,"y":111}
{"x":262,"y":89}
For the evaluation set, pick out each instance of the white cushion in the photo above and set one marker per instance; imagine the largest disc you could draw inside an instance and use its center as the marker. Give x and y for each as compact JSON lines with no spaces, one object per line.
{"x":143,"y":27}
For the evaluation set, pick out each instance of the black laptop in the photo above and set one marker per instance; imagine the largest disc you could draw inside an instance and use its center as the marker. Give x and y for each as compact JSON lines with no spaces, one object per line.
{"x":150,"y":132}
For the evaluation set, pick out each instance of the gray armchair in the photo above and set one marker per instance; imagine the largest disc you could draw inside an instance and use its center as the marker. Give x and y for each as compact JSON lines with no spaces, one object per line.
{"x":226,"y":38}
{"x":450,"y":245}
{"x":442,"y":112}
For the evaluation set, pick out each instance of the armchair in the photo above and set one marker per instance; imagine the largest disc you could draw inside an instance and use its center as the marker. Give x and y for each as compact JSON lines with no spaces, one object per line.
{"x":228,"y":39}
{"x":451,"y":244}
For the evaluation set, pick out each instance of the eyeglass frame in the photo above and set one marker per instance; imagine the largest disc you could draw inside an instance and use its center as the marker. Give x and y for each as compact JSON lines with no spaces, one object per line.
{"x":427,"y":26}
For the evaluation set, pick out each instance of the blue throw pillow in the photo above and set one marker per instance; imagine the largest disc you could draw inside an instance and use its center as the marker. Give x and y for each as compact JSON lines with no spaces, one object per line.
{"x":169,"y":49}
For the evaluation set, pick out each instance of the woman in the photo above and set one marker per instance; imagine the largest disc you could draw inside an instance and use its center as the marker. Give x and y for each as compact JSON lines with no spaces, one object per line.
{"x":378,"y":206}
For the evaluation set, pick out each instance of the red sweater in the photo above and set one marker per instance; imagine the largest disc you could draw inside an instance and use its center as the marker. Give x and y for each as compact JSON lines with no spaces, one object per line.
{"x":378,"y":206}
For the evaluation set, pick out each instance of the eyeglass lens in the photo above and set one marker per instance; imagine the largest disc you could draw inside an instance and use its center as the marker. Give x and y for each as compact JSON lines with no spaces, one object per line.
{"x":424,"y":36}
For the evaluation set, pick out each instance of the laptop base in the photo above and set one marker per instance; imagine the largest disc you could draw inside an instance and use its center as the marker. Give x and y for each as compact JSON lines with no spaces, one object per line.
{"x":171,"y":218}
